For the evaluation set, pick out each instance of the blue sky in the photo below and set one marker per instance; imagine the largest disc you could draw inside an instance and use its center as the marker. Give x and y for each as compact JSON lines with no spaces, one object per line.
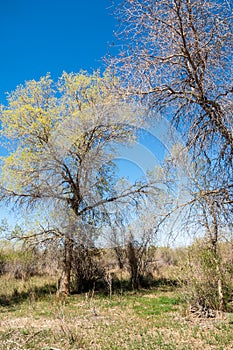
{"x":43,"y":36}
{"x":53,"y":36}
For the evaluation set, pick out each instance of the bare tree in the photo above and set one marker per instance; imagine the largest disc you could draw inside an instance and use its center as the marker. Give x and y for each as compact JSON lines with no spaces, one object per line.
{"x":131,"y":236}
{"x":206,"y":213}
{"x":177,"y":55}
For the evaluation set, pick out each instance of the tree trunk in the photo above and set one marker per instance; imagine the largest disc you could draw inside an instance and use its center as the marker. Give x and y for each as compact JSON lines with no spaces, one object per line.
{"x":214,"y":241}
{"x":220,"y":295}
{"x":64,"y":282}
{"x":133,"y":263}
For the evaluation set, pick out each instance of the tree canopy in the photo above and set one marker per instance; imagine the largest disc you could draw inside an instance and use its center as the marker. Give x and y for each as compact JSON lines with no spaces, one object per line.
{"x":177,"y":55}
{"x":61,"y":140}
{"x":61,"y":137}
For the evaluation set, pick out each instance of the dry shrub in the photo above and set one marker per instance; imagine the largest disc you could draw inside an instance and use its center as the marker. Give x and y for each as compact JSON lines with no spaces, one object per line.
{"x":87,"y":268}
{"x":18,"y":262}
{"x":201,"y":275}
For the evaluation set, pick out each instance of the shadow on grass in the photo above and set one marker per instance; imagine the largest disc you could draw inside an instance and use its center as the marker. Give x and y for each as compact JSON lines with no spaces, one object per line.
{"x":120,"y":286}
{"x":146,"y":283}
{"x":31,"y":294}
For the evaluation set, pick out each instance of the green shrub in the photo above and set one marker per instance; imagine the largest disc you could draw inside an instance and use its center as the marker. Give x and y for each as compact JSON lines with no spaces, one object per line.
{"x":204,"y":277}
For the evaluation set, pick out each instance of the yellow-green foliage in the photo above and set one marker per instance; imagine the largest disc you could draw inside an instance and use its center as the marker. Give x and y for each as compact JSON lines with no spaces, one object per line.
{"x":45,"y":121}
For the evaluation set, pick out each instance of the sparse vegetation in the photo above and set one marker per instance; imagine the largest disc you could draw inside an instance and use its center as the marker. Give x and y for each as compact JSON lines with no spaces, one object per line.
{"x":148,"y":319}
{"x":34,"y":316}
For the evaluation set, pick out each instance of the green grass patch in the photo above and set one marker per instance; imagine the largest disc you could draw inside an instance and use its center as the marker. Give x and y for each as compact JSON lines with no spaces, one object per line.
{"x":155,"y":305}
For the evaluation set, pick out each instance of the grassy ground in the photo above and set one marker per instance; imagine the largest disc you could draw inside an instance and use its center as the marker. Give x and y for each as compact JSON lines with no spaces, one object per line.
{"x":33,"y":317}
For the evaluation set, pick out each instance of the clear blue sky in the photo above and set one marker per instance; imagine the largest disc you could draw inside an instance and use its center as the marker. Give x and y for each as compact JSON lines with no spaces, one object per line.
{"x":40,"y":36}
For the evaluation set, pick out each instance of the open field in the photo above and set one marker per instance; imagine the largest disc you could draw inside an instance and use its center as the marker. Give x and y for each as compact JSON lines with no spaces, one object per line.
{"x":33,"y":317}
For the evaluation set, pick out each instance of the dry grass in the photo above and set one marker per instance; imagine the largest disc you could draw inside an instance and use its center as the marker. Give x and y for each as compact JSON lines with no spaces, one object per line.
{"x":152,"y":319}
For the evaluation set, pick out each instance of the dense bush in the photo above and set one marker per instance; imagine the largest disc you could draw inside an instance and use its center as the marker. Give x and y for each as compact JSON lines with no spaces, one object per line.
{"x":87,"y":268}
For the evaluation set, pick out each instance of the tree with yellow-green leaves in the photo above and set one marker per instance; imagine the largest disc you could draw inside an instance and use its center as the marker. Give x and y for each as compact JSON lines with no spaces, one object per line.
{"x":61,"y":138}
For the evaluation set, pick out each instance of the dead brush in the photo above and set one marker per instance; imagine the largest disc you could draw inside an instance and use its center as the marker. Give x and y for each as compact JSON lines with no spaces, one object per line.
{"x":89,"y":298}
{"x":69,"y":333}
